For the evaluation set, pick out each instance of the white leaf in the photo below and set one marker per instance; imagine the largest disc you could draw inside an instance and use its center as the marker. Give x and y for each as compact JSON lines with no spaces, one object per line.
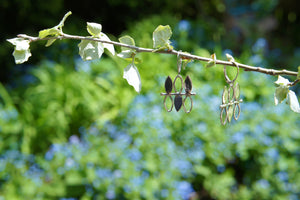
{"x":125,"y":54}
{"x":282,"y":81}
{"x":109,"y":47}
{"x":293,"y":102}
{"x":132,"y":75}
{"x":280,"y":94}
{"x":229,"y":57}
{"x":21,"y":56}
{"x":20,"y":43}
{"x":161,"y":37}
{"x":214,"y":57}
{"x":22,"y":51}
{"x":127,"y":40}
{"x":93,"y":28}
{"x":90,"y":50}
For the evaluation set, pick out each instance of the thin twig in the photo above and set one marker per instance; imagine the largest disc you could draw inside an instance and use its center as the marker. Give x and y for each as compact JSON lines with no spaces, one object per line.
{"x":294,"y":83}
{"x":272,"y":72}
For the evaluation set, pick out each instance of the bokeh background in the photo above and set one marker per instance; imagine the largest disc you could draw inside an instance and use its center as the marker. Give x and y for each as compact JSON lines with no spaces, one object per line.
{"x":73,"y":130}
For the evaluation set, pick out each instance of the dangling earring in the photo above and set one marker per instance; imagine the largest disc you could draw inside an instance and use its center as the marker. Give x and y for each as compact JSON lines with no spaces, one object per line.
{"x":178,"y":100}
{"x":230,"y":99}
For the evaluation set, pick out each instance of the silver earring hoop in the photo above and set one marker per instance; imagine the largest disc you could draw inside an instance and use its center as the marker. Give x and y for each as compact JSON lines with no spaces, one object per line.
{"x":226,"y":76}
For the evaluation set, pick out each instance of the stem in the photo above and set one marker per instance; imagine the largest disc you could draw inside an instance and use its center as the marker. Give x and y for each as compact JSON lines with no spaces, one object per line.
{"x":272,"y":72}
{"x":294,"y":83}
{"x":61,"y":24}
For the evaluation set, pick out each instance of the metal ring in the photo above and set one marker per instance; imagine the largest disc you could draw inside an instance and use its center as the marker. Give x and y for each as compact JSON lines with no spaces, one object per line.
{"x":226,"y":76}
{"x":181,"y":87}
{"x":231,"y":93}
{"x":236,"y":87}
{"x":237,"y":105}
{"x":229,"y":108}
{"x":225,"y":92}
{"x":188,"y":111}
{"x":165,"y":99}
{"x":223,"y":122}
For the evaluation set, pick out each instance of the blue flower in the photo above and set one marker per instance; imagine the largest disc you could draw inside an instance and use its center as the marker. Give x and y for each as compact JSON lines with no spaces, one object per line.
{"x":184,"y":189}
{"x":184,"y":25}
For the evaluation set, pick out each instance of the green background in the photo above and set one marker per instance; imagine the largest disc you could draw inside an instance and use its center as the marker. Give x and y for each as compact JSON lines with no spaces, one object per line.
{"x":76,"y":130}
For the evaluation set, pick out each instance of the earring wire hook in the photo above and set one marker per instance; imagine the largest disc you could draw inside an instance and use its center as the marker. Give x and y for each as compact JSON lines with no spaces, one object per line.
{"x":179,"y":61}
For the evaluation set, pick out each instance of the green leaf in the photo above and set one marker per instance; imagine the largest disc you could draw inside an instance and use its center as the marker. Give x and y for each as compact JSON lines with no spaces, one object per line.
{"x":161,"y":36}
{"x":49,"y":32}
{"x":280,"y":94}
{"x":62,"y":22}
{"x":94,"y":29}
{"x":90,"y":50}
{"x":203,"y":170}
{"x":298,"y":75}
{"x":50,"y":42}
{"x":137,"y":60}
{"x":185,"y":62}
{"x":282,"y":81}
{"x":109,"y":47}
{"x":293,"y":102}
{"x":132,"y":75}
{"x":212,"y":62}
{"x":54,"y":31}
{"x":127,"y":40}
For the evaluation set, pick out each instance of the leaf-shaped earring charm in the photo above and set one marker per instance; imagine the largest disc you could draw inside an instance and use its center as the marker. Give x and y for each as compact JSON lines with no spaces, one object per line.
{"x":181,"y":84}
{"x":180,"y":98}
{"x":168,"y":85}
{"x":225,"y":95}
{"x":236,"y":90}
{"x":188,"y":85}
{"x":178,"y":102}
{"x":237,"y":108}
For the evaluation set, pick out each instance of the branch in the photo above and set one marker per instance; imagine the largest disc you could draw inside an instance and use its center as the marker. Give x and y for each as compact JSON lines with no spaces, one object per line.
{"x":272,"y":72}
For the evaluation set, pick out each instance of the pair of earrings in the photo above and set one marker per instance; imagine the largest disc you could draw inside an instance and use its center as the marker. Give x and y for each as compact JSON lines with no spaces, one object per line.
{"x":230,"y":106}
{"x":178,"y":101}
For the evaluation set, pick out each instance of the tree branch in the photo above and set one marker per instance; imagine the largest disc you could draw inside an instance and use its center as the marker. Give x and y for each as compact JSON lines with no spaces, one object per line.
{"x":272,"y":72}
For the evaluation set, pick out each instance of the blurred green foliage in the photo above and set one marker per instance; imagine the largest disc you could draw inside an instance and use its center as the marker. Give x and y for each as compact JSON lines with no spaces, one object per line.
{"x":77,"y":130}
